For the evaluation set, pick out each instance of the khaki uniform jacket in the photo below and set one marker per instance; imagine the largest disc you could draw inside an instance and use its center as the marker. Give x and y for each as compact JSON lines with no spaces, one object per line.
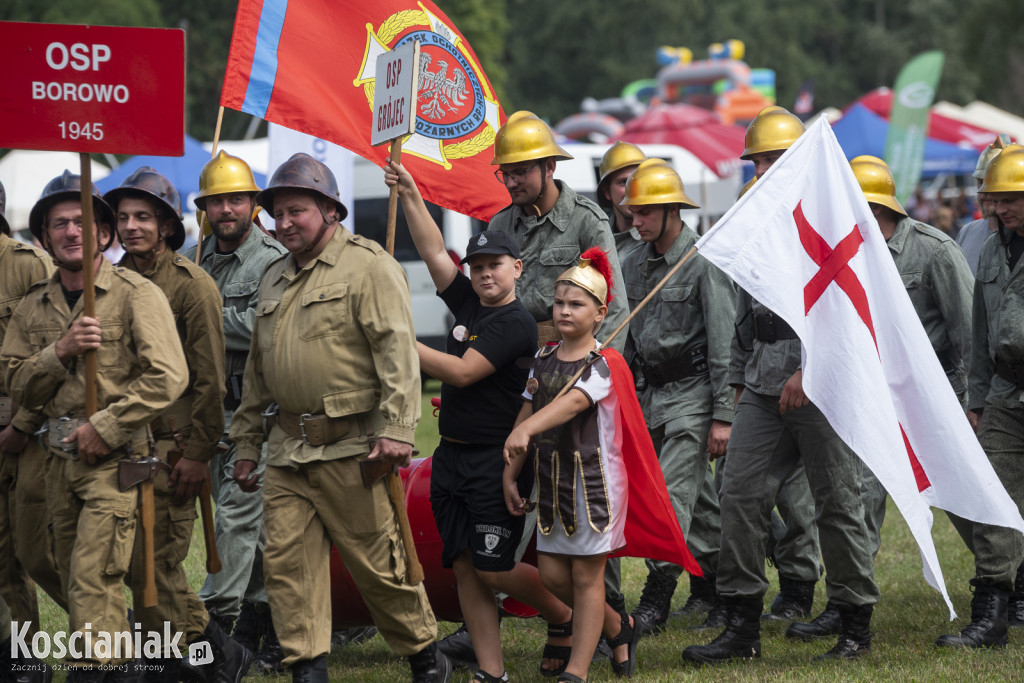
{"x":238,"y":277}
{"x":141,"y":365}
{"x":938,"y":280}
{"x":195,"y":303}
{"x":696,"y":308}
{"x":550,"y":244}
{"x":998,"y":327}
{"x":334,"y":338}
{"x":21,"y":265}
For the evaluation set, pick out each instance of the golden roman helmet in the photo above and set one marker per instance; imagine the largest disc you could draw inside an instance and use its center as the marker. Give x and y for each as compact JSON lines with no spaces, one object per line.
{"x":773,"y":129}
{"x":224,"y":174}
{"x":989,"y":153}
{"x":524,"y":137}
{"x":875,"y":180}
{"x":1006,"y":172}
{"x":656,"y":182}
{"x":593,"y":273}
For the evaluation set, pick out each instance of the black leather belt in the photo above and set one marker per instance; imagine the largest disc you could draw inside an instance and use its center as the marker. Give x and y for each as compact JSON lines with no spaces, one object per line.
{"x":770,"y":328}
{"x":1011,"y":372}
{"x":694,"y":362}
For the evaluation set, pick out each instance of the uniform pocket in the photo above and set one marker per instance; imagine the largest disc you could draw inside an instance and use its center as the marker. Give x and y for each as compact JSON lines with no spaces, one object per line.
{"x":559,"y":256}
{"x":181,"y":519}
{"x":264,"y":323}
{"x":122,"y":542}
{"x":112,"y":352}
{"x":324,"y":311}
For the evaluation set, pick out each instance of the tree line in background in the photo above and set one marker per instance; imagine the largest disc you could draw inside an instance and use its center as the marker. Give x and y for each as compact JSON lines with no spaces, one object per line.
{"x":547,"y":56}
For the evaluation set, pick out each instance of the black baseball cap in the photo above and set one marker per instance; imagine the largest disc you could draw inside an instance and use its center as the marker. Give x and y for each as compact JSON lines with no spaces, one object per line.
{"x":491,"y":242}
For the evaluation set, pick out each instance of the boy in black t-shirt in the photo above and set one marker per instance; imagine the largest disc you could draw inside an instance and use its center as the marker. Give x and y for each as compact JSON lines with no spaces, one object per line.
{"x":480,"y":398}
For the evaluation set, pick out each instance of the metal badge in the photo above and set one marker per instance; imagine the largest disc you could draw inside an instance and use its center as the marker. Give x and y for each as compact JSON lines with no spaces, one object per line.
{"x":460,"y":333}
{"x":532,"y":385}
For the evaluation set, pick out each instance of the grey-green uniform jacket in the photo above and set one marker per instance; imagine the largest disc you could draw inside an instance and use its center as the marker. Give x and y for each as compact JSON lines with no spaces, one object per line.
{"x":759,"y":366}
{"x":695,"y":308}
{"x":998,"y":327}
{"x":938,"y":280}
{"x":237,"y":275}
{"x":551,"y":243}
{"x":625,"y":242}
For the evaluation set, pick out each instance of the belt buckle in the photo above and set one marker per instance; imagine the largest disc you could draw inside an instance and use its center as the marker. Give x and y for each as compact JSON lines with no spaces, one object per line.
{"x":302,"y":427}
{"x":63,"y":428}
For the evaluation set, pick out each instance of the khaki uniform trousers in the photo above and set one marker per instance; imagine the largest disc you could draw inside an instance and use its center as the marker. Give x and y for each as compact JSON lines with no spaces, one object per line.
{"x":177,"y":603}
{"x":93,"y":534}
{"x":307,"y":509}
{"x":26,"y":543}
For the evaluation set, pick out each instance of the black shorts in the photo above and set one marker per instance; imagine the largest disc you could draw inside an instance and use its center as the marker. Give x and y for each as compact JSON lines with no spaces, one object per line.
{"x":469,"y":505}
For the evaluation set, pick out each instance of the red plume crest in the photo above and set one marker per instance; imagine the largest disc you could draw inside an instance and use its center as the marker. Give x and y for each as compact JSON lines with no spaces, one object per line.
{"x":599,"y":259}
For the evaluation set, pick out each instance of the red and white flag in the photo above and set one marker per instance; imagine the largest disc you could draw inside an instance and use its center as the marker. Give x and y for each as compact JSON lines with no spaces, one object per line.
{"x":804,"y":243}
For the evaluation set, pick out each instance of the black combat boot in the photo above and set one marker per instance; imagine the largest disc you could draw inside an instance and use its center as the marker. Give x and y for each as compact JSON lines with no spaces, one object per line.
{"x":29,"y":669}
{"x":855,"y":634}
{"x":793,"y":602}
{"x":988,"y":620}
{"x":716,"y":617}
{"x":702,"y":596}
{"x":430,"y":665}
{"x":310,"y":670}
{"x":741,"y":638}
{"x":230,"y":660}
{"x":268,"y":661}
{"x":251,"y":626}
{"x":826,"y":624}
{"x":1015,"y":605}
{"x":458,"y":647}
{"x":167,"y":670}
{"x":651,"y":613}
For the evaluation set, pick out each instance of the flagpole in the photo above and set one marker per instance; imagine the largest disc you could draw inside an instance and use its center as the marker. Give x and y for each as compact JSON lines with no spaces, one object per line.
{"x":632,"y":314}
{"x":201,"y":215}
{"x":88,"y":278}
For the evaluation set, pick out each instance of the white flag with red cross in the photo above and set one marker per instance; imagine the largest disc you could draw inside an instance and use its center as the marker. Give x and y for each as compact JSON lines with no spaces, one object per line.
{"x":804,"y":243}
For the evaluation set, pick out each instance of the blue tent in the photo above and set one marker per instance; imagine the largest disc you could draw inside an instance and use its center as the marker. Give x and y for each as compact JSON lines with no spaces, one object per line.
{"x":861,"y":131}
{"x":183,"y":171}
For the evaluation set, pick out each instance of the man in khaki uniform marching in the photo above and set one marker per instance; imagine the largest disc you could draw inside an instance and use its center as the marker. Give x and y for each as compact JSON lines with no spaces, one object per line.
{"x":141,"y":371}
{"x":26,"y":546}
{"x":333,"y":346}
{"x":149,"y":228}
{"x":236,"y":256}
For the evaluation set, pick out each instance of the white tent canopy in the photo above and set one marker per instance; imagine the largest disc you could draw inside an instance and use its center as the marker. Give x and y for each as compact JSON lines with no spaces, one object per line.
{"x":25,"y":173}
{"x":984,"y":115}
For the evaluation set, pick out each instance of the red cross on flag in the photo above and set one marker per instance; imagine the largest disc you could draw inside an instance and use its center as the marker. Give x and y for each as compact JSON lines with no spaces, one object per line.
{"x":804,"y":243}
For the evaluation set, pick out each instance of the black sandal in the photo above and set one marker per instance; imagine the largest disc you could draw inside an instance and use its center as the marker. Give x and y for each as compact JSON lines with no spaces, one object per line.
{"x":570,"y":678}
{"x":561,"y":652}
{"x":628,"y":635}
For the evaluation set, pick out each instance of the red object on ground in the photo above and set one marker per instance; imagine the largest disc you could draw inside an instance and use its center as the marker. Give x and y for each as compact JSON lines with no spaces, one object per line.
{"x":940,"y":127}
{"x":697,"y":130}
{"x":347,"y":607}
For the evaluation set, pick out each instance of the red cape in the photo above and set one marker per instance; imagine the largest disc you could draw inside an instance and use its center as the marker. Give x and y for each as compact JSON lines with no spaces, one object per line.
{"x":652,"y":530}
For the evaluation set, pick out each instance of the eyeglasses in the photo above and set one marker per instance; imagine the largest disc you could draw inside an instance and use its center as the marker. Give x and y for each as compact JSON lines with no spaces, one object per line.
{"x":62,"y":224}
{"x":518,"y":175}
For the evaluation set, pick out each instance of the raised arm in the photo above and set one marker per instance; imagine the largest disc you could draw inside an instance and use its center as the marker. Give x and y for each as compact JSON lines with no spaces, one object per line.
{"x":425,"y":234}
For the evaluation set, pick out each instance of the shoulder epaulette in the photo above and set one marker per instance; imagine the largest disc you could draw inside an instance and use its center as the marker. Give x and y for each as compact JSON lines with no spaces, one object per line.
{"x":366,"y":243}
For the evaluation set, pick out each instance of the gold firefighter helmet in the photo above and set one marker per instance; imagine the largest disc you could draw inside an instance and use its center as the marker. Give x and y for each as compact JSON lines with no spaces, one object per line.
{"x":620,"y":155}
{"x":875,"y":180}
{"x":989,"y":153}
{"x":746,"y":187}
{"x":224,"y":174}
{"x":1006,"y":172}
{"x":656,"y":182}
{"x":592,"y":273}
{"x":524,"y":137}
{"x":773,"y":129}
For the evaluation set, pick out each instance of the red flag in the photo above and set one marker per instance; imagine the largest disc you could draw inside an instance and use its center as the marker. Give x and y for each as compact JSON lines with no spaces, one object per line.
{"x":652,"y":529}
{"x":309,"y":65}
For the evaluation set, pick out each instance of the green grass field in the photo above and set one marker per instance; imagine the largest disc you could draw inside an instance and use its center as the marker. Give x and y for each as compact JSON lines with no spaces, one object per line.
{"x":905,"y":624}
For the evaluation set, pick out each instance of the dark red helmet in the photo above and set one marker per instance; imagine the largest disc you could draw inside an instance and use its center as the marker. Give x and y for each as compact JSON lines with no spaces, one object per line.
{"x":302,"y":172}
{"x":147,"y":182}
{"x":64,"y":187}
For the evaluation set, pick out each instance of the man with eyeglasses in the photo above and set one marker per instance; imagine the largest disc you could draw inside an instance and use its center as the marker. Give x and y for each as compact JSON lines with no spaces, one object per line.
{"x":551,"y":223}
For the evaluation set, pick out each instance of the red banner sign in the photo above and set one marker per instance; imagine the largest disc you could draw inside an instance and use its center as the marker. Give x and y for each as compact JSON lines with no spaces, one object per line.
{"x":92,"y":88}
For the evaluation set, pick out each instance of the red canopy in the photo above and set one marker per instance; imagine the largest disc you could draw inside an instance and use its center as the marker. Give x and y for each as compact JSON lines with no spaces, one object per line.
{"x":940,"y":127}
{"x":698,"y":130}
